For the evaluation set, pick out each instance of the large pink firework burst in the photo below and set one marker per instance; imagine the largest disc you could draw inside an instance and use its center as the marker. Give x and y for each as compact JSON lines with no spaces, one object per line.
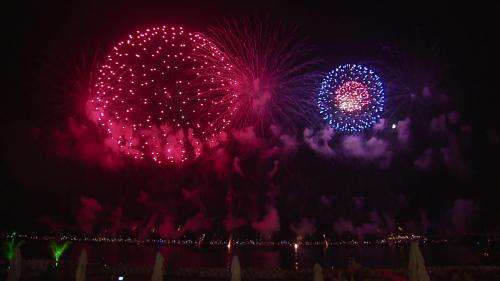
{"x":159,"y":95}
{"x":271,"y":70}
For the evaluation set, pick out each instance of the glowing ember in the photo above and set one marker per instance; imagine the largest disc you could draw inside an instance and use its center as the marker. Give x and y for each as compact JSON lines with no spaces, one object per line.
{"x":352,"y":96}
{"x":157,"y":96}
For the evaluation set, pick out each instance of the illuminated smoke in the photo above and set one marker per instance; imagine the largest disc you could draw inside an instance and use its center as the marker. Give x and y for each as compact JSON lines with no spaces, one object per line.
{"x":87,"y":215}
{"x":269,"y":224}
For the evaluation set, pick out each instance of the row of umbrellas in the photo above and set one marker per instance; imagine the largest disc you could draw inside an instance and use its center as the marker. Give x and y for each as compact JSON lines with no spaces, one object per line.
{"x":416,"y":267}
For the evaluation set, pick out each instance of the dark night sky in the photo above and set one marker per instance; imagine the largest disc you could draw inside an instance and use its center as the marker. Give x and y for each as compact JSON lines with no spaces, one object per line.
{"x":343,"y":31}
{"x":43,"y":38}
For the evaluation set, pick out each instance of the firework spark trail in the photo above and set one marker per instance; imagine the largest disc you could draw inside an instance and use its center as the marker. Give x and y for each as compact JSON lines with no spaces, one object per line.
{"x":157,"y":98}
{"x":271,"y":73}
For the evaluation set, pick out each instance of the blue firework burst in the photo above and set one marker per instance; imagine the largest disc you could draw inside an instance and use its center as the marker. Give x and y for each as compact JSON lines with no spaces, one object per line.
{"x":351,"y":98}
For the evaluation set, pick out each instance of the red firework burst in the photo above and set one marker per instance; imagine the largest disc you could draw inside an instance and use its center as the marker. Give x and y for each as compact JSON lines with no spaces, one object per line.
{"x":158,"y":96}
{"x":271,"y":71}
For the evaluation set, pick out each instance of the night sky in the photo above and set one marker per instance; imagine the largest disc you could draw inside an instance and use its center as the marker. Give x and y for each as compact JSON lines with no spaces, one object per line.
{"x":57,"y":175}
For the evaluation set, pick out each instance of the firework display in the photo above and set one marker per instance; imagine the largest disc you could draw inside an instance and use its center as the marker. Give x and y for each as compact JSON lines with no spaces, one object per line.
{"x":272,"y":73}
{"x":167,"y":139}
{"x":159,"y":96}
{"x":351,"y":98}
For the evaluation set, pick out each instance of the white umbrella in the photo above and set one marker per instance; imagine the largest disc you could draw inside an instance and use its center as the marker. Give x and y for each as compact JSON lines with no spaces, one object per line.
{"x":317,"y":272}
{"x":158,"y":269}
{"x":416,"y":265}
{"x":82,"y":266}
{"x":235,"y":269}
{"x":15,"y":266}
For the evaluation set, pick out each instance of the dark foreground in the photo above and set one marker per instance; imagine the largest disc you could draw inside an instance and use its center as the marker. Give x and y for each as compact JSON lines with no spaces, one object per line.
{"x":43,"y":270}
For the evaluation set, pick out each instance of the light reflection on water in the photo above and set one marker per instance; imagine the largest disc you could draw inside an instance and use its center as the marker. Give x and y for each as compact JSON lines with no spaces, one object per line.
{"x":266,"y":257}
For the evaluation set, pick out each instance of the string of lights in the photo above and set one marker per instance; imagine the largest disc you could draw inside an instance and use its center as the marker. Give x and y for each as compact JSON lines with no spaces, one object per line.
{"x":390,"y":239}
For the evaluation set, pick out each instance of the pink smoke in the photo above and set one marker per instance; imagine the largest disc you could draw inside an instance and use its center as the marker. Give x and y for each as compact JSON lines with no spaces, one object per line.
{"x":403,"y":128}
{"x":425,"y":161}
{"x":116,"y":221}
{"x":237,"y":167}
{"x":438,"y":124}
{"x":143,"y":198}
{"x":318,"y":141}
{"x":380,"y":125}
{"x":194,"y":197}
{"x":289,"y":143}
{"x":343,"y":226}
{"x":371,"y":149}
{"x":366,"y":229}
{"x":326,"y":200}
{"x":167,"y":229}
{"x":274,"y":170}
{"x":221,"y":160}
{"x":247,"y":137}
{"x":87,"y":214}
{"x":305,"y":227}
{"x":197,"y":224}
{"x":79,"y":142}
{"x":231,"y":222}
{"x":269,"y":224}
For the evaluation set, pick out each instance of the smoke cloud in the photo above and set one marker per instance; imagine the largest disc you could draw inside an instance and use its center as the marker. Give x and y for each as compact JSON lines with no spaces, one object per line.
{"x":269,"y":224}
{"x":87,"y":215}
